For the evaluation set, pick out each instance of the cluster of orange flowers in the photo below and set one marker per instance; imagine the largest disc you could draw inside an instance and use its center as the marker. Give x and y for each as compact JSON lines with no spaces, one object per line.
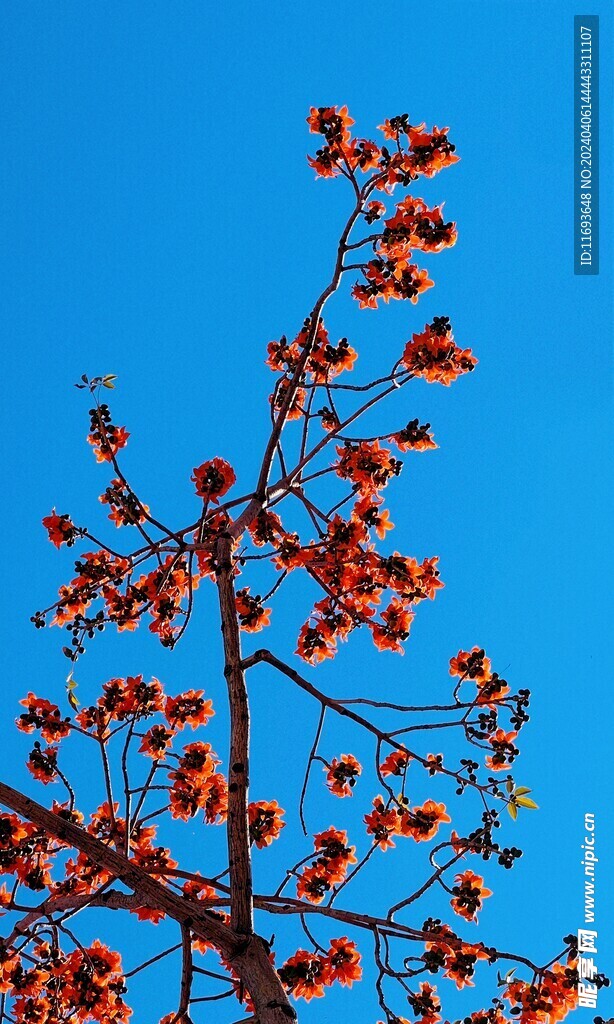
{"x":105,"y":438}
{"x":414,"y":226}
{"x":126,"y":509}
{"x":99,"y":572}
{"x":306,"y":975}
{"x":324,"y":361}
{"x":445,"y":952}
{"x":434,"y":356}
{"x":350,"y":570}
{"x":391,"y":279}
{"x":197,"y":785}
{"x":388,"y":820}
{"x":417,"y":152}
{"x":474,"y":665}
{"x":87,"y":984}
{"x":504,"y":750}
{"x":391,"y":275}
{"x":25,"y":852}
{"x":367,"y":465}
{"x":548,"y":1000}
{"x":195,"y":782}
{"x":161,"y":592}
{"x":333,"y":858}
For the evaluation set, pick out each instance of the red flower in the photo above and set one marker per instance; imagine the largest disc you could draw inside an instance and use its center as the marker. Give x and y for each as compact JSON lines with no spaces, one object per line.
{"x":213,"y":479}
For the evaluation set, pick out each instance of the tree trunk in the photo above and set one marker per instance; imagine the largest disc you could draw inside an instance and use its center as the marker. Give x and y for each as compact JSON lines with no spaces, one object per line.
{"x":239,"y":855}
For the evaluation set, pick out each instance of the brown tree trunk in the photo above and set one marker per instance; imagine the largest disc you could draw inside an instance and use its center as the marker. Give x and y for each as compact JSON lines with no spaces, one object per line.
{"x":239,"y":855}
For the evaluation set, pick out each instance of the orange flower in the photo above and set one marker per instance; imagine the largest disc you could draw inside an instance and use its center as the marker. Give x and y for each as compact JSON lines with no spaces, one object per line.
{"x":342,"y":774}
{"x":332,"y":122}
{"x":126,"y":509}
{"x":188,"y":708}
{"x":426,"y":1004}
{"x":156,"y":742}
{"x":42,"y":714}
{"x":313,"y":884}
{"x":344,"y":961}
{"x":265,"y":822}
{"x":414,"y":437}
{"x":367,"y":465}
{"x":471,"y":664}
{"x":105,"y":438}
{"x":149,"y":914}
{"x":434,"y":356}
{"x":252,"y":615}
{"x":305,"y":975}
{"x":394,"y":628}
{"x":546,"y":1001}
{"x":434,"y":763}
{"x":367,"y":510}
{"x":42,"y":764}
{"x":60,"y":529}
{"x":504,"y":750}
{"x":333,"y":858}
{"x":382,"y":823}
{"x":373,"y":211}
{"x":277,"y":399}
{"x":390,"y":279}
{"x":213,"y":479}
{"x":422,"y":823}
{"x":265,"y":528}
{"x":469,"y":892}
{"x":396,"y":763}
{"x":315,"y":643}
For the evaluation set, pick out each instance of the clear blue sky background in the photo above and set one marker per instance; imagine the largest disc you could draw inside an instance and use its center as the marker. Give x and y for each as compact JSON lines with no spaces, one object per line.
{"x":160,"y":222}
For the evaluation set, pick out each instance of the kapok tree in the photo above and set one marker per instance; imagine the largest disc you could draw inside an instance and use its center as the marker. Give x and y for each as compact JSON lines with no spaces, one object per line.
{"x":71,"y":858}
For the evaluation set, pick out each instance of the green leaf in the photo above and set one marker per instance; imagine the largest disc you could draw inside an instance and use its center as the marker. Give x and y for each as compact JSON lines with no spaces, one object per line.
{"x":521,"y":790}
{"x":512,"y":810}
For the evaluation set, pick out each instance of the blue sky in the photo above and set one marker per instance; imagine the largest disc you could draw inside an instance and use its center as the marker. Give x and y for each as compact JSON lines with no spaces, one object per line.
{"x":160,"y":223}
